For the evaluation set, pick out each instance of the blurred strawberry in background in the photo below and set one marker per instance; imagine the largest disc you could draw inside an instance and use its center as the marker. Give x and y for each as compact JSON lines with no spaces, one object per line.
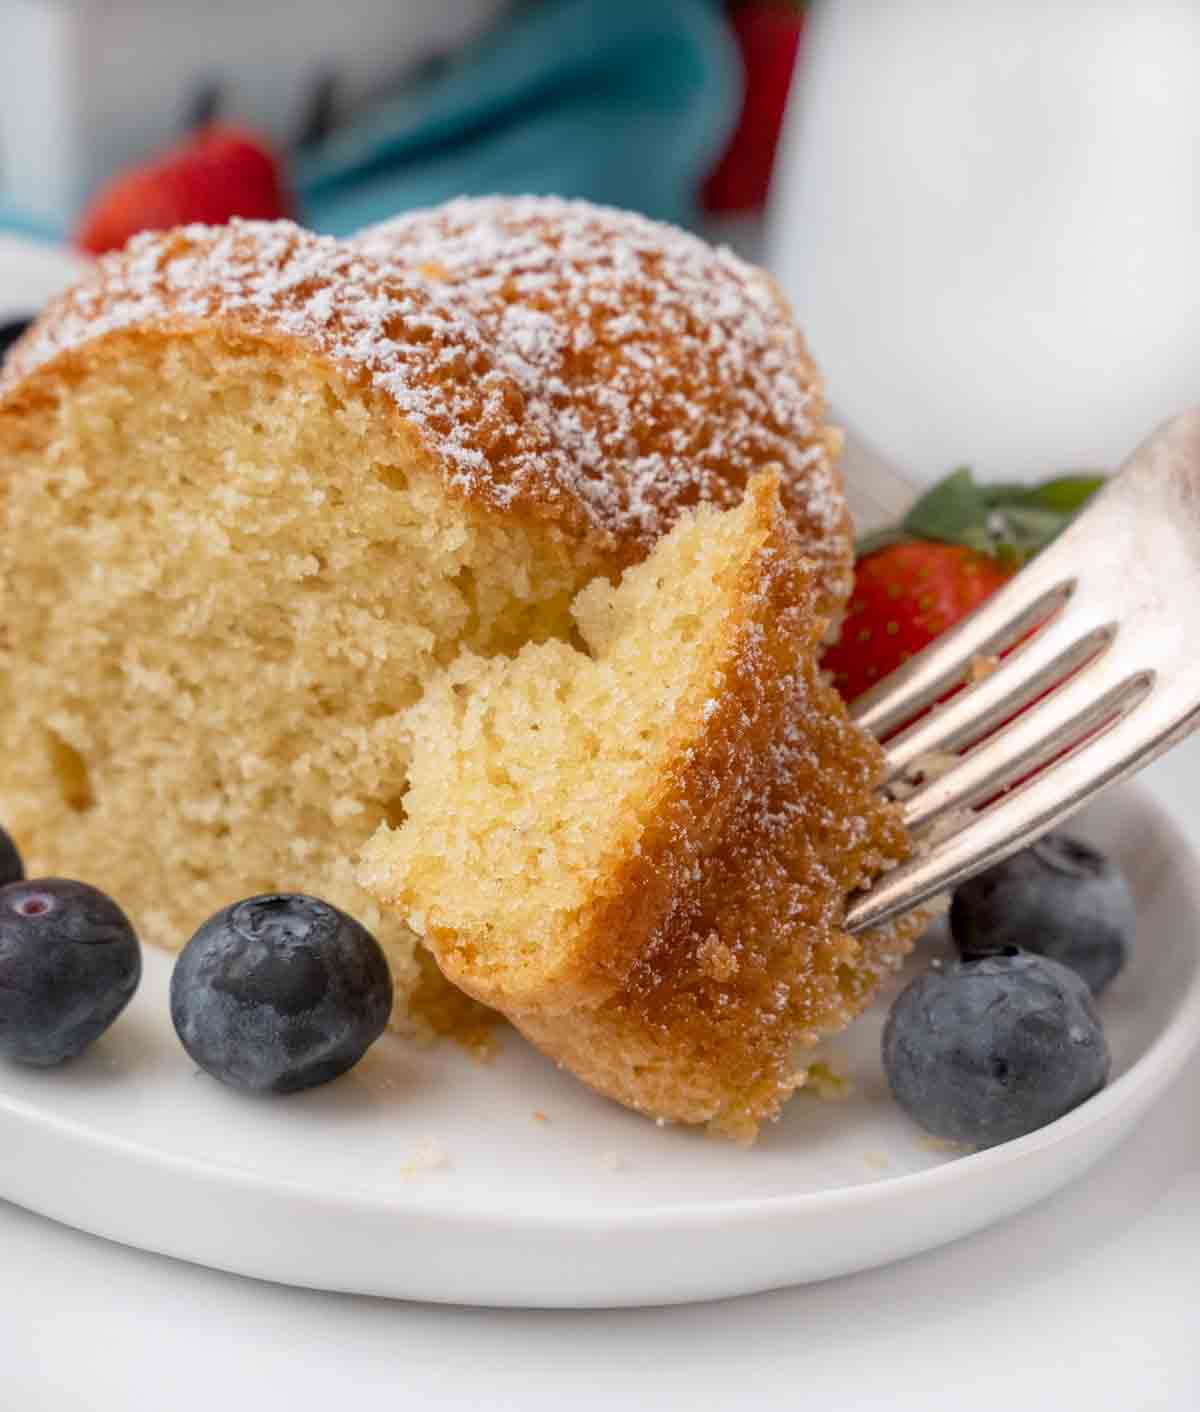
{"x":768,"y":36}
{"x":220,"y":172}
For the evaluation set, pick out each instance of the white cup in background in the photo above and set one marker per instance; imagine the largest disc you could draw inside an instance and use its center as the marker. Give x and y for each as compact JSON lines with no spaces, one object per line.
{"x":988,"y":216}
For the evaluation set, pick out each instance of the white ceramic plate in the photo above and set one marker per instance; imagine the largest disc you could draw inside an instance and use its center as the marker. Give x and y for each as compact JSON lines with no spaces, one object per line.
{"x":427,"y":1175}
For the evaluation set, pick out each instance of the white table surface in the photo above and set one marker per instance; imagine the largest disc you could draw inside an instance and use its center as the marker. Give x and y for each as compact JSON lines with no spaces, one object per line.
{"x":1088,"y":1301}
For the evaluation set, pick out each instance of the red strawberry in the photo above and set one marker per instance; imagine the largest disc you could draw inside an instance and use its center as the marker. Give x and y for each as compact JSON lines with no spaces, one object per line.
{"x":955,"y":547}
{"x":769,"y":38}
{"x":904,"y":596}
{"x":218,"y":173}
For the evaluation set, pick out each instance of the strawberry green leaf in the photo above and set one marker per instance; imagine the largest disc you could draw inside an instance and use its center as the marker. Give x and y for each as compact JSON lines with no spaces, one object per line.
{"x":1022,"y":531}
{"x":1011,"y":522}
{"x":955,"y":510}
{"x":1064,"y":494}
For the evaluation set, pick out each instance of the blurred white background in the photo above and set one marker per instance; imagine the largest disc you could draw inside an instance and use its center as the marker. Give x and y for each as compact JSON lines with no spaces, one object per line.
{"x":987,"y":215}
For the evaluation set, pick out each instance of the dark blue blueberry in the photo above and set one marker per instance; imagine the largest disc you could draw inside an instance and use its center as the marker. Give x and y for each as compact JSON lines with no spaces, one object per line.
{"x":10,"y":331}
{"x":11,"y":867}
{"x":1061,"y":898}
{"x":69,"y":964}
{"x":988,"y":1050}
{"x":280,"y":992}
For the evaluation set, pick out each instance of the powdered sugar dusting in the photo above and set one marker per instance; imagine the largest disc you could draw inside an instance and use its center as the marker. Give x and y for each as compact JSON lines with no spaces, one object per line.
{"x":590,"y":365}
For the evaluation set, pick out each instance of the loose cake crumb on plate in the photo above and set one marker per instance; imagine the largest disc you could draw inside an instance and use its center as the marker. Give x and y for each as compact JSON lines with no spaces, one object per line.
{"x":823,"y":1082}
{"x":943,"y":1144}
{"x":428,"y":1156}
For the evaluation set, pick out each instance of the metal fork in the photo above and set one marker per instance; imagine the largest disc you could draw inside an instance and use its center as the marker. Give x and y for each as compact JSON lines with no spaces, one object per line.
{"x":1101,"y":641}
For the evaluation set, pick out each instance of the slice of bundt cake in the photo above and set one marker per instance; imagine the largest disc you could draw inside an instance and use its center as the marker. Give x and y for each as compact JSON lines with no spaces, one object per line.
{"x":639,"y":844}
{"x":260,"y":488}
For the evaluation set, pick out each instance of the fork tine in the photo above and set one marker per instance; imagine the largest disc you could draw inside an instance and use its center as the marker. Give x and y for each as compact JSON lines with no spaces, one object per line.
{"x":1017,"y":820}
{"x":1074,"y":712}
{"x":1057,"y":653}
{"x":1029,"y":599}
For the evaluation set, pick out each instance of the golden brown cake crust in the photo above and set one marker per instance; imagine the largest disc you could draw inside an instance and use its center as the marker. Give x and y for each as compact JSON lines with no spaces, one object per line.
{"x":748,"y":959}
{"x":750,"y":964}
{"x":557,"y":360}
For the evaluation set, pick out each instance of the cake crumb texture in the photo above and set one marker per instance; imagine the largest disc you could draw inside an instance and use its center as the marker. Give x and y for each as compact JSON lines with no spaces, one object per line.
{"x":217,"y":606}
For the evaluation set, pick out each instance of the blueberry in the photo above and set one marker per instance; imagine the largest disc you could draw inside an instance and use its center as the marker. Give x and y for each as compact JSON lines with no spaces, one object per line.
{"x":279,"y":993}
{"x":11,"y":867}
{"x":991,"y":1049}
{"x":69,"y":964}
{"x":1061,"y":898}
{"x":10,"y":332}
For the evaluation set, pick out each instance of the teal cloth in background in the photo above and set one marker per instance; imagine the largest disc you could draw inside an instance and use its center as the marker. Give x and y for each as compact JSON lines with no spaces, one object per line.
{"x":18,"y":223}
{"x":627,"y":102}
{"x":621,"y":101}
